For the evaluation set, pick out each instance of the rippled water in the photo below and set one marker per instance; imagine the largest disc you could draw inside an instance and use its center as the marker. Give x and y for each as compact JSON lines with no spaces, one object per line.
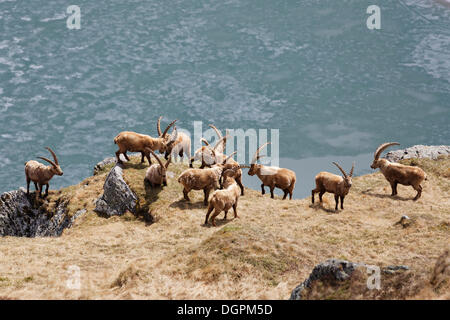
{"x":310,"y":68}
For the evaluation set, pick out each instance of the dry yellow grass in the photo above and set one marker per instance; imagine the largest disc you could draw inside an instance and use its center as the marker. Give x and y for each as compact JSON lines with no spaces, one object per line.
{"x":264,"y":254}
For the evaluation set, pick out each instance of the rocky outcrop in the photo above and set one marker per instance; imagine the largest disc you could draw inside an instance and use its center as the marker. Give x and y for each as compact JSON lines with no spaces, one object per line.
{"x":418,"y":151}
{"x":117,"y":197}
{"x":105,"y":162}
{"x":339,"y":270}
{"x":19,"y":218}
{"x":337,"y":274}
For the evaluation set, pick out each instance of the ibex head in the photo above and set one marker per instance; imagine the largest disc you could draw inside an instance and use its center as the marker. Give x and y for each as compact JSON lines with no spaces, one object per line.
{"x":162,"y":169}
{"x":377,"y":162}
{"x":253,"y":165}
{"x":55,"y":168}
{"x":163,"y":135}
{"x":171,"y":143}
{"x":347,"y":177}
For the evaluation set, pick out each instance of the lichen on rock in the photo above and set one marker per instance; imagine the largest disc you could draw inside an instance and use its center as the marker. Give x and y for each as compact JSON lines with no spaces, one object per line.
{"x":19,"y":218}
{"x":418,"y":151}
{"x":117,"y":197}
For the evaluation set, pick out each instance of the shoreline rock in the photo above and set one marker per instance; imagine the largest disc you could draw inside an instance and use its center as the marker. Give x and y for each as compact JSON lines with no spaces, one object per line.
{"x":19,"y":218}
{"x":418,"y":151}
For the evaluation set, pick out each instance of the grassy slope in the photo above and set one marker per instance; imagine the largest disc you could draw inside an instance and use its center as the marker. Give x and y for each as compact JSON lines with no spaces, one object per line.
{"x":264,"y":254}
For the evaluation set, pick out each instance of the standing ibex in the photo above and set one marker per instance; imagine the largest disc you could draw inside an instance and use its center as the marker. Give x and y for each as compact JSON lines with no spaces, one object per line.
{"x":202,"y":179}
{"x":397,"y":173}
{"x":41,"y":174}
{"x":332,"y":183}
{"x":210,"y":156}
{"x":225,"y":199}
{"x":136,"y":142}
{"x":156,"y":173}
{"x":272,"y":177}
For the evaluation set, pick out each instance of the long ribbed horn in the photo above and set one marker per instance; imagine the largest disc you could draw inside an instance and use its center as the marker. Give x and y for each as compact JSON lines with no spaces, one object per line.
{"x":219,"y":142}
{"x":53,"y":154}
{"x":219,"y":134}
{"x":230,"y":156}
{"x":174,"y":135}
{"x":244,"y":166}
{"x":383,"y":146}
{"x":158,"y":126}
{"x":256,"y":156}
{"x":340,"y":168}
{"x":205,"y":142}
{"x":167,"y":129}
{"x":351,"y":171}
{"x":49,"y":161}
{"x":168,"y":162}
{"x":154,"y":155}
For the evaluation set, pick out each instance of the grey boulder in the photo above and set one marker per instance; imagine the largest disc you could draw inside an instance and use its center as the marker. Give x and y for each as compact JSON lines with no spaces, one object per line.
{"x":117,"y":197}
{"x":418,"y":151}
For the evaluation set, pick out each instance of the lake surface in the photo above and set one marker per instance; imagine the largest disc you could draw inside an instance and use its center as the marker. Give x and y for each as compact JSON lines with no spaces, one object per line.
{"x":311,"y":69}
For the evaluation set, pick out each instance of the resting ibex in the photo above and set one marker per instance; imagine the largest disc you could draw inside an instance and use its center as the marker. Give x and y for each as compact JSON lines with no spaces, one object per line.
{"x":225,"y":199}
{"x":397,"y":173}
{"x":272,"y":177}
{"x":41,"y":174}
{"x":156,"y":173}
{"x":207,"y":155}
{"x":332,"y":183}
{"x":136,"y":142}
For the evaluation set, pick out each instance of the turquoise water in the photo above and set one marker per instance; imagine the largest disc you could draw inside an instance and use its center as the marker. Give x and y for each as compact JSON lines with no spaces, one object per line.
{"x":309,"y":68}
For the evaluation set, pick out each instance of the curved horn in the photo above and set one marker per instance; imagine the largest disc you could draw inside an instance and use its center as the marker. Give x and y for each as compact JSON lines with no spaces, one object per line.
{"x":158,"y":126}
{"x":340,"y":168}
{"x":53,"y":154}
{"x":219,"y":142}
{"x":230,"y":156}
{"x":167,"y":129}
{"x":168,"y":162}
{"x":219,"y":134}
{"x":174,"y":135}
{"x":205,"y":142}
{"x":351,"y":171}
{"x":256,"y":156}
{"x":383,"y":146}
{"x":244,"y":166}
{"x":49,"y":161}
{"x":154,"y":155}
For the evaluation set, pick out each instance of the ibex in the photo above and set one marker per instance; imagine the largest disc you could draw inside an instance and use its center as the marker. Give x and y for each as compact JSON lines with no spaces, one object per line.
{"x":41,"y":174}
{"x":397,"y":173}
{"x":201,"y":179}
{"x":181,"y":144}
{"x":136,"y":142}
{"x":225,"y":199}
{"x":332,"y":183}
{"x":273,"y":177}
{"x":156,"y":173}
{"x":208,"y":155}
